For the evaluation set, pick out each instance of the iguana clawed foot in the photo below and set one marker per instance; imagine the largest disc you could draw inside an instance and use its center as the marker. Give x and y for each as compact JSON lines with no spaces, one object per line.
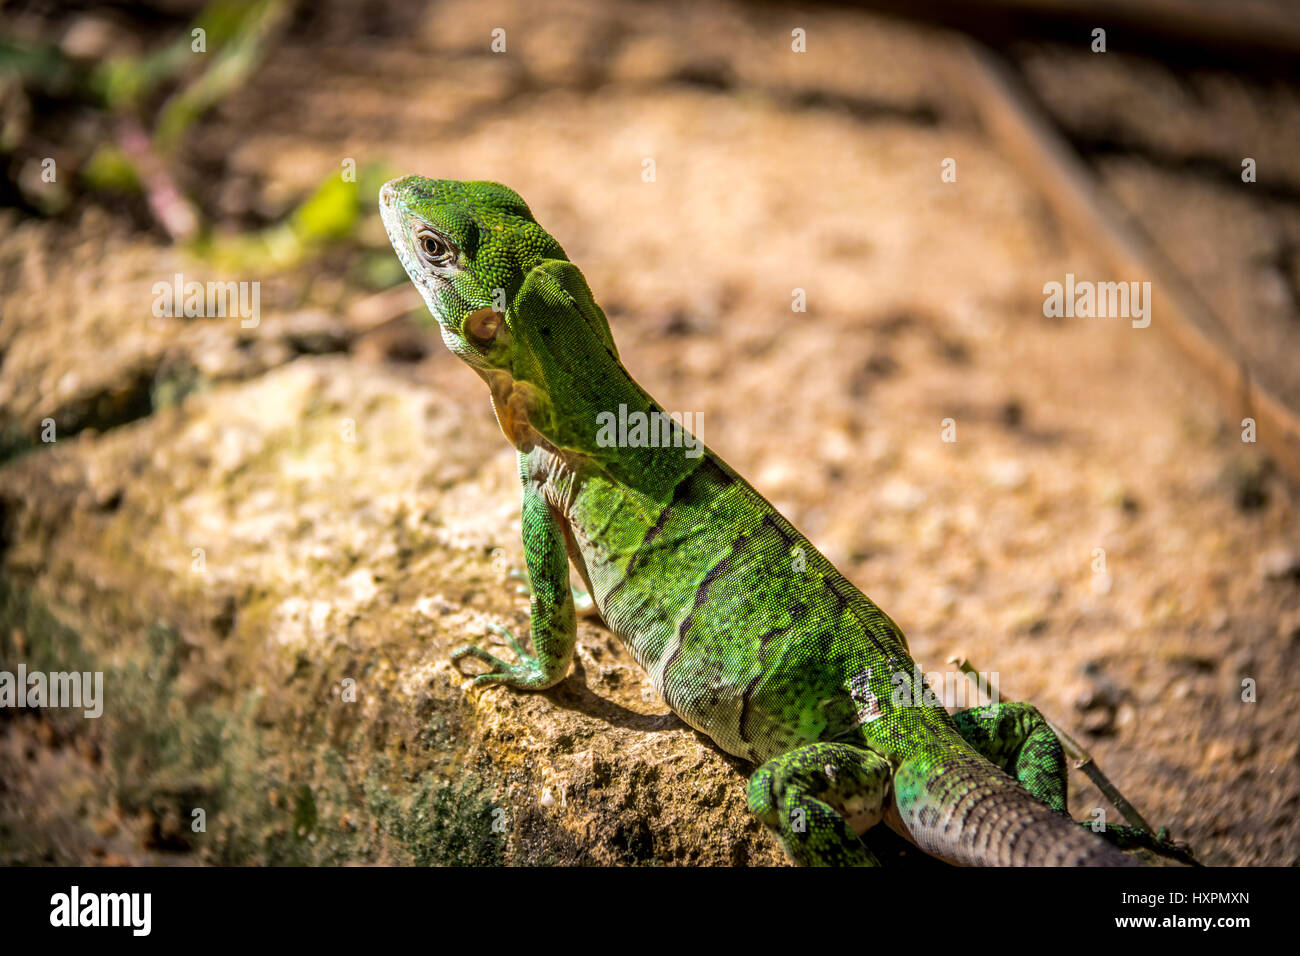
{"x":526,"y":672}
{"x":817,"y":798}
{"x":1160,"y":843}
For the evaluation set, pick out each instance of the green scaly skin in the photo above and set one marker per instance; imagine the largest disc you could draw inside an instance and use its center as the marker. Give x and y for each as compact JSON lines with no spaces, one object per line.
{"x":748,"y":632}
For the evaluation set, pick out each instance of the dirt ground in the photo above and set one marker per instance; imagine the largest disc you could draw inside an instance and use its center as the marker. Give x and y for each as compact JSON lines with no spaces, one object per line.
{"x":1098,"y":534}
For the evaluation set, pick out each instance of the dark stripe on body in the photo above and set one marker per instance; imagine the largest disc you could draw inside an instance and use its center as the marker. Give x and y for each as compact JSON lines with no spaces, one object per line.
{"x":681,"y":493}
{"x":701,"y":593}
{"x":684,"y":490}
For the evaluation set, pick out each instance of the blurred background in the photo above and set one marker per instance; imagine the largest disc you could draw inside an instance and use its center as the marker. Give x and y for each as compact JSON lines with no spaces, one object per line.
{"x":268,"y":527}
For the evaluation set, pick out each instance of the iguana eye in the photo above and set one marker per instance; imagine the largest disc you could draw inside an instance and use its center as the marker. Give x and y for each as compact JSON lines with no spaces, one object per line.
{"x":434,"y":249}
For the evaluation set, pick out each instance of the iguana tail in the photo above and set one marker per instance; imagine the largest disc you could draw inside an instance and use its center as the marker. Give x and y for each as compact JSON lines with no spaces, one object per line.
{"x":966,"y":811}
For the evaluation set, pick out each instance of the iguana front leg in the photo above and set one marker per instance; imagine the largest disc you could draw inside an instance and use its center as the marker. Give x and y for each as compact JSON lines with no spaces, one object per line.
{"x":553,"y":625}
{"x":818,"y":798}
{"x":583,"y":603}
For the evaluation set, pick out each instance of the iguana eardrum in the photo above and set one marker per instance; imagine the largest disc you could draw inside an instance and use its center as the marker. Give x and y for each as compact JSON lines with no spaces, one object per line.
{"x":748,"y":632}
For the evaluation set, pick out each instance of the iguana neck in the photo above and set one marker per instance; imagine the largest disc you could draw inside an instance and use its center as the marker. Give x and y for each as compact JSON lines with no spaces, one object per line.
{"x":578,"y":433}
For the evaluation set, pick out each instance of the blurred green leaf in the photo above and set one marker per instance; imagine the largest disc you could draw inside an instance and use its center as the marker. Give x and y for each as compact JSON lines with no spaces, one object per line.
{"x":330,"y":214}
{"x":236,"y":35}
{"x":110,"y":168}
{"x":43,"y":66}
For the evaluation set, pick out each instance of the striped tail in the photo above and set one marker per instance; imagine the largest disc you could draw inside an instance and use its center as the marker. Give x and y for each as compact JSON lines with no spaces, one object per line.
{"x":966,"y":811}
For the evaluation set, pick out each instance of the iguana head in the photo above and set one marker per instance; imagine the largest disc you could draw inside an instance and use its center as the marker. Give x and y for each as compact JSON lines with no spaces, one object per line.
{"x":513,"y":307}
{"x":467,"y":246}
{"x":510,"y":304}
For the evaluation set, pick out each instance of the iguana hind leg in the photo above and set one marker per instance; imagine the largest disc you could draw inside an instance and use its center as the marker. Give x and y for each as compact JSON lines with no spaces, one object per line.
{"x":817,"y":799}
{"x":1015,"y":737}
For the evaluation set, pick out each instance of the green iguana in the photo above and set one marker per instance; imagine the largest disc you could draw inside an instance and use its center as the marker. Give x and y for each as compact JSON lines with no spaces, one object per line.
{"x":750,"y":635}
